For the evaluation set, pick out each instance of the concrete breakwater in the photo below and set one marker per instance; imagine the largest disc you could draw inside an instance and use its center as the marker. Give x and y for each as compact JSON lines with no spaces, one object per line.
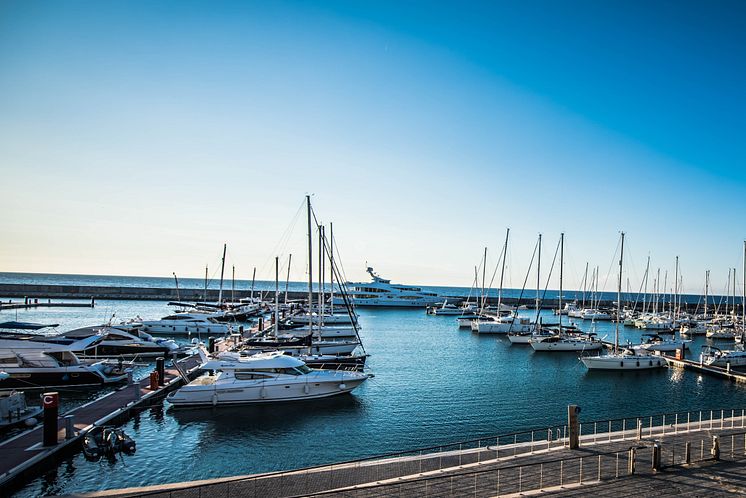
{"x":46,"y":291}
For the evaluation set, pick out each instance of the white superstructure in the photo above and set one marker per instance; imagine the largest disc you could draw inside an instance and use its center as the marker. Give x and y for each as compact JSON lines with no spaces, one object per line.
{"x":381,"y":292}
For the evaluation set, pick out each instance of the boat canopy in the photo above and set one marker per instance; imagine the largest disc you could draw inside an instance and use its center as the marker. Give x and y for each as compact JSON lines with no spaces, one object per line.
{"x":273,"y":359}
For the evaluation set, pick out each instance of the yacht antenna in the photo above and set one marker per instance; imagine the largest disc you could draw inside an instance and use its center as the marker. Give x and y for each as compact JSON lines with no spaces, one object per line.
{"x":619,"y":298}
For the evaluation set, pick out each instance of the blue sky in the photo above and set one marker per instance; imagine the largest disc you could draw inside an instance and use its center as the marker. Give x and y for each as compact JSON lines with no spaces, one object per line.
{"x":138,"y":137}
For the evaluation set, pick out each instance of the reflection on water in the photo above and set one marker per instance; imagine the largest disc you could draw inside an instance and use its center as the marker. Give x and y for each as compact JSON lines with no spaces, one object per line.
{"x":434,"y":384}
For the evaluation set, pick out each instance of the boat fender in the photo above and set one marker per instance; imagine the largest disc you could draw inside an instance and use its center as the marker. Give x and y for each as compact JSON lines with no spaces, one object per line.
{"x":306,"y":389}
{"x":263,"y":392}
{"x":30,"y":422}
{"x":343,"y":386}
{"x":214,"y":399}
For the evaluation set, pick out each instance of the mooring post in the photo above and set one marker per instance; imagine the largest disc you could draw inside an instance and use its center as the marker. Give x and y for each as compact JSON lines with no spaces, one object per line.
{"x":656,"y":457}
{"x":160,"y":367}
{"x":210,"y":345}
{"x":69,"y":426}
{"x":715,"y":451}
{"x":261,"y":324}
{"x":573,"y":426}
{"x":50,"y":402}
{"x":688,"y":452}
{"x":631,"y":461}
{"x":639,"y":429}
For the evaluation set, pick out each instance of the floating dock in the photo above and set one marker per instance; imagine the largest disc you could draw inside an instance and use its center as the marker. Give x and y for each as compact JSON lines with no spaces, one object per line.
{"x":29,"y":304}
{"x":723,"y":373}
{"x":24,"y":455}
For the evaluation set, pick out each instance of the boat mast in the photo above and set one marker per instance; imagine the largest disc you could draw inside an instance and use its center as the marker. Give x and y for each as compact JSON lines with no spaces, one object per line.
{"x":484,"y":276}
{"x":645,"y":295}
{"x":177,"y":287}
{"x":538,"y":278}
{"x":562,"y":261}
{"x":585,"y":284}
{"x":707,"y":289}
{"x":253,"y":279}
{"x":277,"y":296}
{"x":287,"y":279}
{"x":310,"y":262}
{"x":320,"y":310}
{"x":619,"y":298}
{"x":502,"y":273}
{"x":676,"y":290}
{"x":331,"y":267}
{"x":743,"y":295}
{"x":206,"y":282}
{"x":233,"y":285}
{"x":222,"y":270}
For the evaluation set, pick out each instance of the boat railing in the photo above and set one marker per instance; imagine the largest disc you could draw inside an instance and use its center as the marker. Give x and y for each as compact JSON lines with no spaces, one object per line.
{"x":490,"y":450}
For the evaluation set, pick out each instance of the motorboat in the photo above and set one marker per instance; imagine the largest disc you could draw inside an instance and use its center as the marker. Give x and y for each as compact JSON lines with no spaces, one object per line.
{"x":654,"y":342}
{"x":721,"y":332}
{"x":303,"y":345}
{"x":185,"y":324}
{"x":96,"y":342}
{"x":37,"y":368}
{"x":448,"y":309}
{"x":262,"y":378}
{"x":381,"y":292}
{"x":503,"y":325}
{"x":594,"y":314}
{"x":325,"y":319}
{"x":717,"y":357}
{"x":325,"y":331}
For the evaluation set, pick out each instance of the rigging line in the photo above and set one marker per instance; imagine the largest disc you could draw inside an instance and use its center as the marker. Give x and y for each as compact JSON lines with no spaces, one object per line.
{"x":608,"y":272}
{"x":494,"y":274}
{"x":549,"y":276}
{"x":525,"y":281}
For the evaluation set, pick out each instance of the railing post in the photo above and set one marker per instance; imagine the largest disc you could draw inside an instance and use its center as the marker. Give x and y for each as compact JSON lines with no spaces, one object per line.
{"x":616,"y":471}
{"x":663,"y":425}
{"x":562,"y":472}
{"x":609,"y":430}
{"x":69,"y":426}
{"x":656,"y":457}
{"x":599,"y":468}
{"x":624,"y":429}
{"x":715,"y":450}
{"x":631,"y":461}
{"x":639,"y":429}
{"x":574,"y":426}
{"x":688,"y":453}
{"x":541,"y":476}
{"x":676,"y":424}
{"x":580,"y":477}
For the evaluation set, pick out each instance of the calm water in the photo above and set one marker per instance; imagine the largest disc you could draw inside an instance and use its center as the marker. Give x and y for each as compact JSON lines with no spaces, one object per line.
{"x":433,"y":384}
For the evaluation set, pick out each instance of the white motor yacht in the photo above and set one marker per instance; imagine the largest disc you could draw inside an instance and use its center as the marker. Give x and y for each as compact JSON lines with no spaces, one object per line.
{"x":717,"y":357}
{"x":262,"y":378}
{"x":37,"y":368}
{"x":627,"y":359}
{"x":381,"y":292}
{"x":503,"y":325}
{"x":654,"y":342}
{"x":594,"y":314}
{"x":566,"y":342}
{"x":184,"y":324}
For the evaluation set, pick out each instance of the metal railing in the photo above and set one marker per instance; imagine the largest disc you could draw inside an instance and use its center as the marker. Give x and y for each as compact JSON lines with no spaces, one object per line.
{"x":472,"y":456}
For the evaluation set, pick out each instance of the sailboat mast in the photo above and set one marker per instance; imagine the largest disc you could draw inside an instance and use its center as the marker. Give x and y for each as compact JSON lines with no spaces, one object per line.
{"x":331,"y":264}
{"x":676,"y":290}
{"x":277,"y":296}
{"x":707,"y":289}
{"x":585,"y":283}
{"x":287,"y":279}
{"x":177,"y":287}
{"x":502,"y":272}
{"x":310,"y":262}
{"x":222,"y":270}
{"x":562,"y":264}
{"x":645,"y":295}
{"x":253,"y":279}
{"x":743,"y":294}
{"x":538,"y":278}
{"x":205,"y":282}
{"x":233,"y":285}
{"x":484,"y":276}
{"x":619,"y":298}
{"x":320,"y":309}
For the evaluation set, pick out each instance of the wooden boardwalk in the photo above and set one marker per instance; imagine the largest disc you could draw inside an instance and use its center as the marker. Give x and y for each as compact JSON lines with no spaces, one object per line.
{"x":24,"y":455}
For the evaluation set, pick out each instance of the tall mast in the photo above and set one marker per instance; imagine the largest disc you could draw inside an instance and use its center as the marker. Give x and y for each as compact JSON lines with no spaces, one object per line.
{"x":645,"y":295}
{"x":277,"y":296}
{"x":743,"y":294}
{"x":320,"y":310}
{"x":253,"y":279}
{"x":707,"y":290}
{"x":665,"y":291}
{"x":502,"y":272}
{"x":619,"y":298}
{"x":484,"y":276}
{"x":676,"y":290}
{"x":177,"y":287}
{"x":585,"y":284}
{"x":538,"y":278}
{"x":206,"y":282}
{"x":287,"y":279}
{"x":233,"y":285}
{"x":222,"y":270}
{"x":331,"y":266}
{"x":310,"y":262}
{"x":562,"y":261}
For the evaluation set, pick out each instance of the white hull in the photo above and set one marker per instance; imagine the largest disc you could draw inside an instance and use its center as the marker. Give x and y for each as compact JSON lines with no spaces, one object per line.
{"x":502,"y":327}
{"x":185,"y":328}
{"x":568,"y":345}
{"x":620,"y":362}
{"x":520,"y":339}
{"x":326,"y":319}
{"x":734,"y":358}
{"x":465,"y":323}
{"x":326,"y":332}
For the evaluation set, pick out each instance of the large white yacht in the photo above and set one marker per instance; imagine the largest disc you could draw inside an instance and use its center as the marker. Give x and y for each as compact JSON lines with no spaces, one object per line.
{"x":381,"y":292}
{"x":262,"y":378}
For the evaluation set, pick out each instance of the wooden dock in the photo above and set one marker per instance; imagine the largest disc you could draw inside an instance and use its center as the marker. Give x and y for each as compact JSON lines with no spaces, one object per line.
{"x":696,"y":366}
{"x":24,"y":455}
{"x":30,"y":304}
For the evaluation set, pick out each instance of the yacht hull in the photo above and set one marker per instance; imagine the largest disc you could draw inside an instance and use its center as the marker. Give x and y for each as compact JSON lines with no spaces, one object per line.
{"x":620,"y":363}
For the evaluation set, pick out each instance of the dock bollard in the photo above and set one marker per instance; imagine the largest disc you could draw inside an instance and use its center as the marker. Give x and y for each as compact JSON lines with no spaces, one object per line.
{"x":715,"y":451}
{"x":573,"y":426}
{"x":656,"y":457}
{"x":631,"y":461}
{"x":50,"y":402}
{"x":688,"y":452}
{"x":210,"y":344}
{"x":69,"y":426}
{"x":160,"y":367}
{"x":261,"y":323}
{"x":154,"y":380}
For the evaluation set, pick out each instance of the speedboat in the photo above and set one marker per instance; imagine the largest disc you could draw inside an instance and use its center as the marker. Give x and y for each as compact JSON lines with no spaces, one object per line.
{"x":594,"y":314}
{"x":37,"y":368}
{"x":14,"y":411}
{"x":503,"y":325}
{"x":717,"y":357}
{"x":262,"y":378}
{"x":654,"y":342}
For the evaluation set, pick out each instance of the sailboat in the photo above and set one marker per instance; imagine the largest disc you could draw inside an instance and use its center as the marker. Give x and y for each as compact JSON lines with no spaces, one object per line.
{"x":628,"y":358}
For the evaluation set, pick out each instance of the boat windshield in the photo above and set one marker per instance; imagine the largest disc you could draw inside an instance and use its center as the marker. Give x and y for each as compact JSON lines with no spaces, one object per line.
{"x":303,"y":369}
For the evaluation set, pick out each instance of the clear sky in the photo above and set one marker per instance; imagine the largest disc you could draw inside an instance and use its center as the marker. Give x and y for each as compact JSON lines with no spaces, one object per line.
{"x":137,"y":137}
